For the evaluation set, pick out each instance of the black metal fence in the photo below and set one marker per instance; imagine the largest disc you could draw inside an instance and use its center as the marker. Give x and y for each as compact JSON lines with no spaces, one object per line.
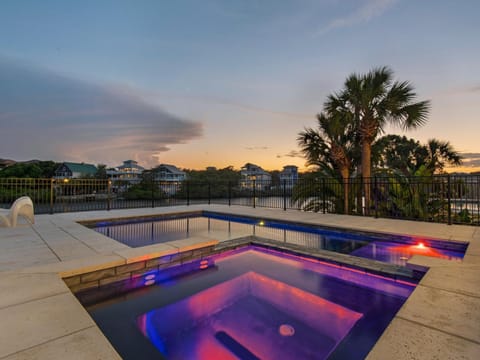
{"x":441,"y":198}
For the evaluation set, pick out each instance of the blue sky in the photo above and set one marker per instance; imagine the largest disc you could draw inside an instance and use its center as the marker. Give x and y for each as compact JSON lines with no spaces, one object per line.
{"x":218,"y":82}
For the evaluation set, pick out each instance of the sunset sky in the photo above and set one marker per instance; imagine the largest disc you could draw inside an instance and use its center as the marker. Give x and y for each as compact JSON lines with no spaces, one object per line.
{"x":221,"y":82}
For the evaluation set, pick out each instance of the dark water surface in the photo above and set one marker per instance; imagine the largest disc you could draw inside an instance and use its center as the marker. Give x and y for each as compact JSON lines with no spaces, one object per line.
{"x":395,"y":250}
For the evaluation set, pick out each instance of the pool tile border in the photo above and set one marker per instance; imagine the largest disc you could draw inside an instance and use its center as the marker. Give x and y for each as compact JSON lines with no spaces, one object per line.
{"x":140,"y":262}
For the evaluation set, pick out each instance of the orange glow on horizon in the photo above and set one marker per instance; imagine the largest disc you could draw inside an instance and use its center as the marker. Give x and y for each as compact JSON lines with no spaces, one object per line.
{"x":462,"y":169}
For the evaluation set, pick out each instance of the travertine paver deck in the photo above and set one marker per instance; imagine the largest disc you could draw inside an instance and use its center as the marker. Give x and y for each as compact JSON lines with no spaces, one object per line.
{"x":41,"y":319}
{"x":36,"y":322}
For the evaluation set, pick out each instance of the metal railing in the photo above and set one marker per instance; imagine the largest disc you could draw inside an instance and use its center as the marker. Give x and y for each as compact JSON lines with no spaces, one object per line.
{"x":441,"y":198}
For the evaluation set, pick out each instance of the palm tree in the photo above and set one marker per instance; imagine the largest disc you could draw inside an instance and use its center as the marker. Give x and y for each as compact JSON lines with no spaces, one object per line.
{"x":438,"y":154}
{"x":330,"y":147}
{"x":374,"y":100}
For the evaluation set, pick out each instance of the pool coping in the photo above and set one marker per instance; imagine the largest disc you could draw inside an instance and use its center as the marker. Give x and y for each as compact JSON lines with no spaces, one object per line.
{"x":30,"y":288}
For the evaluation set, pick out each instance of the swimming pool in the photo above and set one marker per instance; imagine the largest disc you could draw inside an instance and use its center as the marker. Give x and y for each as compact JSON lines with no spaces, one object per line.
{"x":394,"y":249}
{"x":253,"y":303}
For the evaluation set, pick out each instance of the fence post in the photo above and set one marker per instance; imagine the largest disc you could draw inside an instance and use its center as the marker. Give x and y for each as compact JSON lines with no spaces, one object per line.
{"x":323,"y":195}
{"x":52,"y":180}
{"x":477,"y":197}
{"x":375,"y":192}
{"x":361,"y":197}
{"x":254,"y":192}
{"x":209,"y":193}
{"x":449,"y":200}
{"x":229,"y":193}
{"x":109,"y":191}
{"x":284,"y":195}
{"x":153,"y":192}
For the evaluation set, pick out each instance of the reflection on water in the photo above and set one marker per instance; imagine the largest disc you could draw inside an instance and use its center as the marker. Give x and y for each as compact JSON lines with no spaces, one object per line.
{"x":399,"y":254}
{"x":144,"y":233}
{"x":154,"y":232}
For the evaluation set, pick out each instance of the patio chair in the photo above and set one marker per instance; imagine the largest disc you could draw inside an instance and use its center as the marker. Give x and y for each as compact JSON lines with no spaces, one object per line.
{"x":22,"y":206}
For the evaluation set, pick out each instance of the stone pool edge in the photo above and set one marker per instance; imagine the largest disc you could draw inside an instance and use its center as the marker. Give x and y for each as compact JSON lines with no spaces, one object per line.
{"x":26,"y":291}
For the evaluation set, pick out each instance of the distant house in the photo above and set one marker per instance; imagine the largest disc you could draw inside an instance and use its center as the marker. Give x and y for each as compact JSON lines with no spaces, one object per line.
{"x":253,"y":175}
{"x":169,"y":177}
{"x":165,"y":172}
{"x":289,"y":176}
{"x":6,"y":162}
{"x":70,"y":170}
{"x":129,"y":172}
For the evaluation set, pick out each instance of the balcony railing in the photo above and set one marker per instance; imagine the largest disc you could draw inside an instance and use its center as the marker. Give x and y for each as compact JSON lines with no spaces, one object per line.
{"x":441,"y":198}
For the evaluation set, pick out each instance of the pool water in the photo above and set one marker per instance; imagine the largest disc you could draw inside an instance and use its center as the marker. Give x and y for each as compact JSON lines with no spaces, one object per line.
{"x":395,"y":250}
{"x":254,"y":303}
{"x":399,"y":254}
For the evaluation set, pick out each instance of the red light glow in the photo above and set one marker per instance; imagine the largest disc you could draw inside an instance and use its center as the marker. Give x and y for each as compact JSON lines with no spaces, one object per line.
{"x":419,"y":249}
{"x":207,"y":347}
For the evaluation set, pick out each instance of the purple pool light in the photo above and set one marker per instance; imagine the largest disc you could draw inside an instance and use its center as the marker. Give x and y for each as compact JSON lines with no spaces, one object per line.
{"x":247,"y":315}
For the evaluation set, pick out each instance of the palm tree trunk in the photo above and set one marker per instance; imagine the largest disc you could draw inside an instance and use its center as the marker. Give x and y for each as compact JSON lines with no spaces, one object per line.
{"x":366,"y":173}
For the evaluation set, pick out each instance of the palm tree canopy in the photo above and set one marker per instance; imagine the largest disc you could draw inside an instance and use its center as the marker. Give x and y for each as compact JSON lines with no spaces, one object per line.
{"x":331,"y":144}
{"x":439,"y":154}
{"x":314,"y":147}
{"x":375,"y":100}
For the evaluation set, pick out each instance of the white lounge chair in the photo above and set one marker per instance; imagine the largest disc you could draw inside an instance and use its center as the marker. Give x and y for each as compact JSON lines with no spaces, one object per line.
{"x":22,"y":206}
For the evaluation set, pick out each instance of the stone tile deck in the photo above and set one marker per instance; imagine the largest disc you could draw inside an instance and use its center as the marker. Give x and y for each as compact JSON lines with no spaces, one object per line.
{"x":41,"y":319}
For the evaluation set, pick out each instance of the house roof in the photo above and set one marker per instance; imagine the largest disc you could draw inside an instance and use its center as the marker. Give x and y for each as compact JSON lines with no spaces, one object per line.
{"x":171,"y":168}
{"x":250,"y":165}
{"x":81,"y":168}
{"x":255,"y":169}
{"x":6,"y":162}
{"x":132,"y":165}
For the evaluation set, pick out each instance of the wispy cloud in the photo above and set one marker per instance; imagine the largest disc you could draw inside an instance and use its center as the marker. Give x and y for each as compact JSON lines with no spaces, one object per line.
{"x":63,"y":118}
{"x":211,"y":100}
{"x":474,"y":89}
{"x":471,"y":159}
{"x":291,"y":154}
{"x":366,"y":11}
{"x":257,"y":148}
